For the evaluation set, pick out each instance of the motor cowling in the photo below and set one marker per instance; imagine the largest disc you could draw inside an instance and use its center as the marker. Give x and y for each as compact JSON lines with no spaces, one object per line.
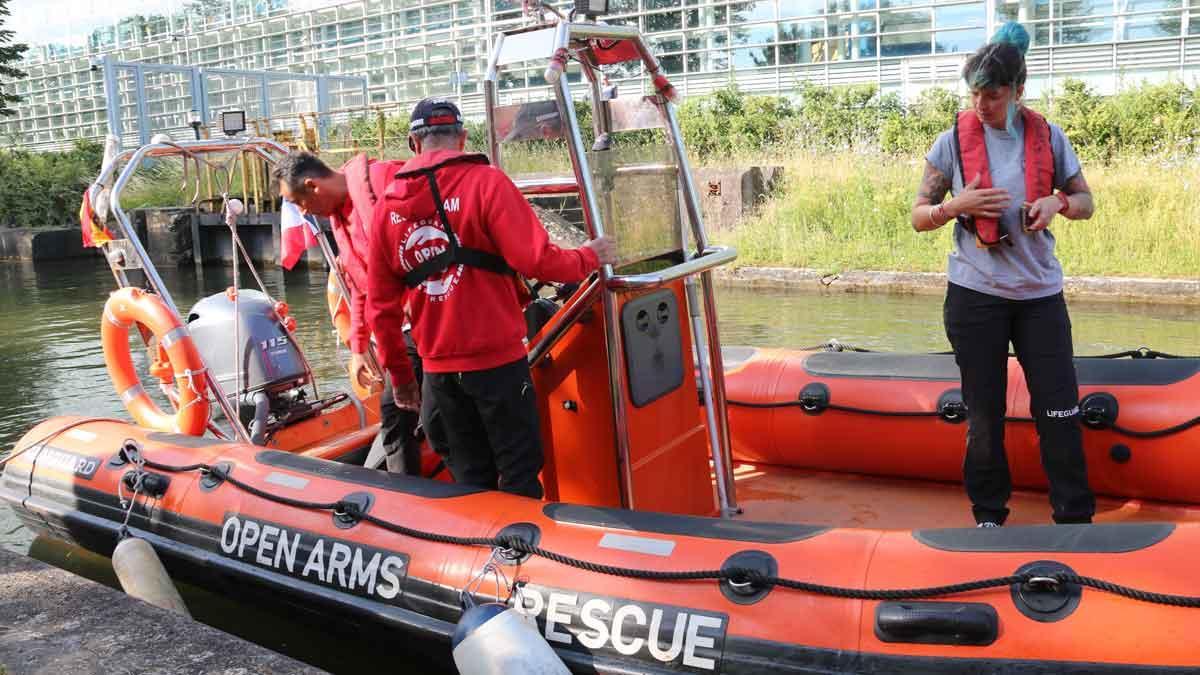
{"x":271,"y":360}
{"x":273,"y":373}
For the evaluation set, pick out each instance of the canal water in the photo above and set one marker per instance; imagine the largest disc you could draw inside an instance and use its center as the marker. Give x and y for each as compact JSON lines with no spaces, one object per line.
{"x":51,"y":364}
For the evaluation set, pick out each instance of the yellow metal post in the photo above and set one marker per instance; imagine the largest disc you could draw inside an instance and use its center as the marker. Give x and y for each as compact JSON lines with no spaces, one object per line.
{"x":245,"y":195}
{"x":381,"y":120}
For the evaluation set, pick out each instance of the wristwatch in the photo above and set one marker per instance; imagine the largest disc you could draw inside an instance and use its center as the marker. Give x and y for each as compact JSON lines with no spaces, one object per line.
{"x":1066,"y":203}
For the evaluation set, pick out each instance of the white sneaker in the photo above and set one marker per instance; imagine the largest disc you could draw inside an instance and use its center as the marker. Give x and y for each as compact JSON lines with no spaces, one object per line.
{"x":988,"y":524}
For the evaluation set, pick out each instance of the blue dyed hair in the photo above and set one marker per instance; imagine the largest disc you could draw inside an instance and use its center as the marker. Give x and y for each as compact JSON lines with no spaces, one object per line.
{"x":1001,"y":62}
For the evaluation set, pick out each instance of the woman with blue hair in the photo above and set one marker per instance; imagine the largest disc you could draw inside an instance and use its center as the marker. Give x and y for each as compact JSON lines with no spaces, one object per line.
{"x":1010,"y":174}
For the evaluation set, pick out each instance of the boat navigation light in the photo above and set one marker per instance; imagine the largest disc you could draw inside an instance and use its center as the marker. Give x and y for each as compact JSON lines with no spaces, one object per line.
{"x":591,"y":8}
{"x":195,"y":122}
{"x":233,"y":122}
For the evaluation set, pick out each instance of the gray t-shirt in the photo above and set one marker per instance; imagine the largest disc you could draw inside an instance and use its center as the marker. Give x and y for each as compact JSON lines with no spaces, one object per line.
{"x":1027,"y":269}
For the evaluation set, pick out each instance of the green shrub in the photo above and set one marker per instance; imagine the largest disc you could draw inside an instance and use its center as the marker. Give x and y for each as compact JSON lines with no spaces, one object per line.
{"x":912,"y":131}
{"x":1161,"y":120}
{"x":846,"y":118}
{"x":44,"y":189}
{"x":728,"y":122}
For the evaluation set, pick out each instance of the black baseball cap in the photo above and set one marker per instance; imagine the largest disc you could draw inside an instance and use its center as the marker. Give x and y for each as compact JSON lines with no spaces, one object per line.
{"x":433,"y":112}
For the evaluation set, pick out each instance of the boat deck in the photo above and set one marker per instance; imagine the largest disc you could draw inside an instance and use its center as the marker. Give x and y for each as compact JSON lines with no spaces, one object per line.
{"x":772,"y":493}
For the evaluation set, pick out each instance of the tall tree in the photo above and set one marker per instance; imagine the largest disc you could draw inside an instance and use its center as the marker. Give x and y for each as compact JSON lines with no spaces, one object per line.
{"x":10,"y":53}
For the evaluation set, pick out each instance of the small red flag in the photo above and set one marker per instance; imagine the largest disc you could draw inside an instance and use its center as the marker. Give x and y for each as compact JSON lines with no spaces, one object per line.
{"x":296,"y":234}
{"x":94,"y":232}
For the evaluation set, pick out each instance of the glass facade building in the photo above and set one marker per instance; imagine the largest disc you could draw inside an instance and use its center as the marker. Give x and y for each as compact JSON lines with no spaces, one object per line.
{"x":408,"y":49}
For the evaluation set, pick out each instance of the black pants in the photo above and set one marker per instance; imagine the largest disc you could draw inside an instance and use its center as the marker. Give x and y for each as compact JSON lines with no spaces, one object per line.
{"x":397,"y":439}
{"x":491,"y":423}
{"x":980,"y":327}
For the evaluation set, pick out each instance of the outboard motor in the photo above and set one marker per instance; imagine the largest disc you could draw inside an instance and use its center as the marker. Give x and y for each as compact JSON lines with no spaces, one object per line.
{"x":273,"y":372}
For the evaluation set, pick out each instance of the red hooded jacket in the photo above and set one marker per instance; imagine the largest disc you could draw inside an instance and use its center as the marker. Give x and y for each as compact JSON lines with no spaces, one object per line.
{"x":466,"y":318}
{"x":366,"y":180}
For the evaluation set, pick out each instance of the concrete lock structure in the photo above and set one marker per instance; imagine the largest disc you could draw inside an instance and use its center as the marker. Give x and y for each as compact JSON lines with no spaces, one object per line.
{"x":409,"y":49}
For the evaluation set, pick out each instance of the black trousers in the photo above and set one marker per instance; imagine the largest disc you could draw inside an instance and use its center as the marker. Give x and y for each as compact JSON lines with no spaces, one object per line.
{"x":398,"y":441}
{"x":490,"y":420}
{"x":980,"y":327}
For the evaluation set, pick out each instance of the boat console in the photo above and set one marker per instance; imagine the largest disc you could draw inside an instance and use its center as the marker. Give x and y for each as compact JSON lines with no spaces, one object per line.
{"x":615,"y":366}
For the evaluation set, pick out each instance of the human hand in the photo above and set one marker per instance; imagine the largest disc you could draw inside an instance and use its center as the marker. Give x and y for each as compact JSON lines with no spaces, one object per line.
{"x":407,"y":396}
{"x":362,"y":371}
{"x":979,"y":202}
{"x":604,"y":248}
{"x":1041,"y":212}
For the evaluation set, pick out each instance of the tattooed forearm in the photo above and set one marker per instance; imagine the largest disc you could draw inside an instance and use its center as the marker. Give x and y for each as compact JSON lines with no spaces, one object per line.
{"x":1080,"y":196}
{"x":934,"y":186}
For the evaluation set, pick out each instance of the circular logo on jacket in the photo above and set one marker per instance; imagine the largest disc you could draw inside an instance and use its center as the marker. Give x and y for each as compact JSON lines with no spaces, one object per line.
{"x":423,"y":242}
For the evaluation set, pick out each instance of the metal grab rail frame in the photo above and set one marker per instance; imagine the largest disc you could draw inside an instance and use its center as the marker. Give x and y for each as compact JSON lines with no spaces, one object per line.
{"x":133,"y":158}
{"x":711,"y":368}
{"x":709,"y":258}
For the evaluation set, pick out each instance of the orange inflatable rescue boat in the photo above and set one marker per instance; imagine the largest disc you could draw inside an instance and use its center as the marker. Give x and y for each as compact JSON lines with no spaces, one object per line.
{"x":902,"y":415}
{"x":817,"y":527}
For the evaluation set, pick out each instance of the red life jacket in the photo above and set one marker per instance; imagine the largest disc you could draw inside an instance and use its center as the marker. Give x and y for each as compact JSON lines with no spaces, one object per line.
{"x":973,"y":159}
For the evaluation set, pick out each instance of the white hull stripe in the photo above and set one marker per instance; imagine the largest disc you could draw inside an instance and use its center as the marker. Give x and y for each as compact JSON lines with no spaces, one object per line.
{"x":625,"y":542}
{"x":287,"y":480}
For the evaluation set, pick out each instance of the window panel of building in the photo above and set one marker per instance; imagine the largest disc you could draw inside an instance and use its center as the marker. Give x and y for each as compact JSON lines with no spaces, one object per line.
{"x":713,"y":61}
{"x":671,"y":64}
{"x":1150,"y":26}
{"x":665,"y":21}
{"x":707,"y":16}
{"x":801,"y":30}
{"x":753,"y":35}
{"x":800,"y":8}
{"x":707,"y":39}
{"x":666,"y":44}
{"x":960,"y":16}
{"x":754,"y":57}
{"x":906,"y":44}
{"x":744,"y":12}
{"x":1130,"y":6}
{"x":1084,"y":31}
{"x":438,"y":18}
{"x":1078,"y":8}
{"x":910,"y":20}
{"x":661,"y":4}
{"x":946,"y":42}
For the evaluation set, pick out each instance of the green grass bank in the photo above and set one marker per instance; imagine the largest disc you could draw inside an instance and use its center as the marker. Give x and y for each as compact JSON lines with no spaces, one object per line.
{"x":850,"y":211}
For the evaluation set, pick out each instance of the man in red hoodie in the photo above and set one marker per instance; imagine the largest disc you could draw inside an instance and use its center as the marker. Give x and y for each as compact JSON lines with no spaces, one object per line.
{"x":449,"y":235}
{"x":347,"y":197}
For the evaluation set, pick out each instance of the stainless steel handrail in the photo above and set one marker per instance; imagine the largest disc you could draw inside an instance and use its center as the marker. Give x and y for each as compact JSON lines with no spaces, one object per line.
{"x":609,"y":286}
{"x":553,"y":185}
{"x":612,"y":338}
{"x":711,"y":257}
{"x":714,"y":380}
{"x":156,"y":282}
{"x":133,"y":158}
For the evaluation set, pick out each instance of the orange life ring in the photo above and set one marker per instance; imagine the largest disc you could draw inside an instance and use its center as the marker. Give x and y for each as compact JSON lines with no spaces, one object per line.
{"x":339,"y":309}
{"x":129,"y":306}
{"x":339,"y":312}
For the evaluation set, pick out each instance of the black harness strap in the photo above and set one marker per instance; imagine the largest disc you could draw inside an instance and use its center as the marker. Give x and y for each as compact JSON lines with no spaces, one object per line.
{"x":454,"y":254}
